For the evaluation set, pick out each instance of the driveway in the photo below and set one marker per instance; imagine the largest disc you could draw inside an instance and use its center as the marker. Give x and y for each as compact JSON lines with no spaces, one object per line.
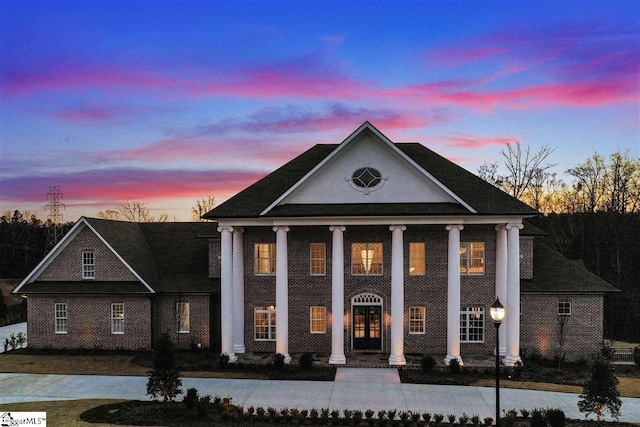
{"x":353,"y":388}
{"x":6,"y":331}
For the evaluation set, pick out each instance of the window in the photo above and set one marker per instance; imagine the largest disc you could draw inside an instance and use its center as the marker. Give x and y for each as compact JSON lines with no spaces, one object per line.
{"x":88,"y":265}
{"x":60,"y":310}
{"x":472,"y":324}
{"x":318,"y":259}
{"x":416,"y":259}
{"x":182,"y":317}
{"x":318,"y":317}
{"x":366,"y":259}
{"x":117,"y":318}
{"x":564,"y":308}
{"x":265,"y":259}
{"x":416,"y":320}
{"x":265,"y":323}
{"x":471,"y":258}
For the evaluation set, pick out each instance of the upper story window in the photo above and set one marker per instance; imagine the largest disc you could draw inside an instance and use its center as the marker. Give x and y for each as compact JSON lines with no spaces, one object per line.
{"x":265,"y":259}
{"x":366,"y":259}
{"x":564,"y":308}
{"x":60,"y":310}
{"x":318,"y":259}
{"x":471,"y":258}
{"x":472,"y":324}
{"x":417,"y":259}
{"x":88,"y":265}
{"x":117,"y":318}
{"x":182,"y":317}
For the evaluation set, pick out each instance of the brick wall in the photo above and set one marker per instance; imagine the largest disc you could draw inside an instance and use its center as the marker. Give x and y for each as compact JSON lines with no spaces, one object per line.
{"x":89,"y":323}
{"x":526,"y":257}
{"x":165,"y":319}
{"x":68,"y":264}
{"x":540,"y":326}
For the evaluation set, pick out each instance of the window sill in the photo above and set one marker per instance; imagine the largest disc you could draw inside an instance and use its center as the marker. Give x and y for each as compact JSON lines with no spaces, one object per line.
{"x":183,"y":332}
{"x":61,"y":333}
{"x":318,"y":333}
{"x":418,"y":333}
{"x":117,"y":333}
{"x":259,"y":340}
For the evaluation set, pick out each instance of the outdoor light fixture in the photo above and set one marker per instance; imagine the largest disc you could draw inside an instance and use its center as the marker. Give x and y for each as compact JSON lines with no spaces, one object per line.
{"x":498,"y":313}
{"x":367,"y":258}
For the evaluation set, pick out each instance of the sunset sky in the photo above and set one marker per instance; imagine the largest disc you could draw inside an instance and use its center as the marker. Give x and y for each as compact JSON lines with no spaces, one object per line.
{"x":166,"y":102}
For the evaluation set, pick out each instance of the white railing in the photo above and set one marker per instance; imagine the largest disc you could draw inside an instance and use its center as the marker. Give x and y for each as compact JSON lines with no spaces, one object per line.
{"x":623,"y":356}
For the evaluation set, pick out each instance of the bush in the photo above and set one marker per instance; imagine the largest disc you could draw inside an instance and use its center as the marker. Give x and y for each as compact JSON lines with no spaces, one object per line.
{"x":556,"y":417}
{"x":164,"y":379}
{"x":488,"y":421}
{"x":392,"y":414}
{"x":427,"y":363}
{"x":524,"y":412}
{"x":475,"y":420}
{"x":517,"y":369}
{"x":278,"y":361}
{"x":190,"y":399}
{"x":464,"y":419}
{"x":306,"y":361}
{"x":438,"y":418}
{"x":454,"y":366}
{"x":601,"y":393}
{"x":636,"y":355}
{"x":223,"y":361}
{"x":537,"y":419}
{"x":426,"y":417}
{"x":451,"y":418}
{"x":202,"y":409}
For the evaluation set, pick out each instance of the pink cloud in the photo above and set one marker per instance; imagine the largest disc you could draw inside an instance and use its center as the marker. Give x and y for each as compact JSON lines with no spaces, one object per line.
{"x":472,"y":141}
{"x":455,"y":56}
{"x":91,"y":115}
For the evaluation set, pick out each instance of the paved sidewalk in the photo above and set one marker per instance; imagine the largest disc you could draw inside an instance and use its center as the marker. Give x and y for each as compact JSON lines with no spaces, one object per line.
{"x":353,"y":389}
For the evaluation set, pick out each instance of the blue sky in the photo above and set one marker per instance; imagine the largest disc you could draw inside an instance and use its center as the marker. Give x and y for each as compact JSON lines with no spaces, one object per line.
{"x":167,"y":102}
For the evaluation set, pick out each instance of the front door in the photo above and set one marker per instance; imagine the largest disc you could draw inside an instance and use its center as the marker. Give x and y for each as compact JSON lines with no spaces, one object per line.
{"x":367,"y":327}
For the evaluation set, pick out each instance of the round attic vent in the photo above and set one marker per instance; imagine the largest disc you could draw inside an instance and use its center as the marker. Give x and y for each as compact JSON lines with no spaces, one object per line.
{"x":366,"y":177}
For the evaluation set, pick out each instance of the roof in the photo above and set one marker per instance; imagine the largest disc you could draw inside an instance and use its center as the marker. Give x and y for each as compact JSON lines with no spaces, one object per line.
{"x":553,"y":272}
{"x":485,"y":198}
{"x":171,"y":257}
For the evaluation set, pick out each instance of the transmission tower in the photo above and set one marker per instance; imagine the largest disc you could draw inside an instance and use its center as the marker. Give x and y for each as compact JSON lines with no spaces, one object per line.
{"x":54,"y":231}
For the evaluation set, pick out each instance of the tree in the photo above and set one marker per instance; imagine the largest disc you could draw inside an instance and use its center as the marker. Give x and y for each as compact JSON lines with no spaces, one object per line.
{"x":600,"y":393}
{"x":201,"y":207}
{"x":589,"y":183}
{"x":523,"y":166}
{"x":164,"y":380}
{"x":132,"y":212}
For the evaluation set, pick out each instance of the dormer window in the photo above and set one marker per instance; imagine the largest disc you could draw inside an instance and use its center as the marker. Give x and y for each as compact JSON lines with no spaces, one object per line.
{"x":88,"y":265}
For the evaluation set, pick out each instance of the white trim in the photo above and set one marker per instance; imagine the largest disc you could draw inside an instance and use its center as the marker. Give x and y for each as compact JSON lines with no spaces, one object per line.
{"x":468,"y":311}
{"x":564,"y":313}
{"x":370,"y":220}
{"x":311,"y":318}
{"x":117,"y":318}
{"x":179,"y":317}
{"x":424,"y":320}
{"x":373,"y":300}
{"x":56,"y":318}
{"x":93,"y":264}
{"x":311,"y":259}
{"x":345,"y":143}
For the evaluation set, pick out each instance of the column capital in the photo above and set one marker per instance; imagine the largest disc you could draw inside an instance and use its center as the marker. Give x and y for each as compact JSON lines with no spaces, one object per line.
{"x":338,"y":227}
{"x":239,"y":230}
{"x":281,"y":228}
{"x":225,"y":228}
{"x":397,"y":227}
{"x":501,"y":227}
{"x":452,"y":226}
{"x":512,"y":225}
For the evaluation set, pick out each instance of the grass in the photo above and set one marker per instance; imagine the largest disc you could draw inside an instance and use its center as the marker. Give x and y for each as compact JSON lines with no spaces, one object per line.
{"x":61,"y":413}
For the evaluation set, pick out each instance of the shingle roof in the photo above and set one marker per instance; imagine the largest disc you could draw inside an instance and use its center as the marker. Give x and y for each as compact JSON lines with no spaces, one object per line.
{"x":552,"y":272}
{"x":485,"y":198}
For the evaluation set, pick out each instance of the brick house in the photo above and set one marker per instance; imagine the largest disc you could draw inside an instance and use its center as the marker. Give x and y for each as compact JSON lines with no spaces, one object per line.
{"x":323,"y":255}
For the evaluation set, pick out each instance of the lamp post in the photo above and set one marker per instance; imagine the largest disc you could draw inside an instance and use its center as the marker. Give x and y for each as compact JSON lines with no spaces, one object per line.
{"x":498,"y":313}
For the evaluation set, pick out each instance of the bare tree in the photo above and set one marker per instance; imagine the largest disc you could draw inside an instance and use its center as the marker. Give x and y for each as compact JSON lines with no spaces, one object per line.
{"x":132,"y":212}
{"x":489,"y":172}
{"x":622,"y":182}
{"x":201,"y":207}
{"x":589,"y":185}
{"x":522,"y":167}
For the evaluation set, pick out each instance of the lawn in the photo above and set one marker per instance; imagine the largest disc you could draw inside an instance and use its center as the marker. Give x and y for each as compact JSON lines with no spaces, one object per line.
{"x":61,"y":413}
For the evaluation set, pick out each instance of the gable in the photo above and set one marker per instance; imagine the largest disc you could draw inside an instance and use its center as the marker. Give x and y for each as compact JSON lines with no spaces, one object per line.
{"x":400,"y":181}
{"x":67,"y":264}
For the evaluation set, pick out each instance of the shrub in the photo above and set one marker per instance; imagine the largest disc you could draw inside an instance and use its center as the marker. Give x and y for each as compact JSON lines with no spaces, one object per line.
{"x":347,"y":415}
{"x":357,"y":417}
{"x":272,"y":412}
{"x":600,"y":393}
{"x":260,"y":413}
{"x":324,"y":413}
{"x":524,"y":412}
{"x":278,"y":361}
{"x":404,"y":416}
{"x":517,"y":369}
{"x":313,"y":414}
{"x":511,"y":413}
{"x":223,"y":361}
{"x":284,"y":413}
{"x":463,"y":419}
{"x":475,"y":420}
{"x":451,"y":418}
{"x":488,"y":421}
{"x":556,"y":417}
{"x":426,"y":417}
{"x":304,"y":414}
{"x":509,"y":419}
{"x":537,"y":419}
{"x":415,"y":416}
{"x":382,"y":414}
{"x":335,"y":414}
{"x":164,"y":379}
{"x":454,"y":366}
{"x":392,"y":414}
{"x":427,"y":363}
{"x":203,"y":406}
{"x":636,"y":355}
{"x":438,"y":418}
{"x":250,"y":411}
{"x":190,"y":399}
{"x":369,"y":414}
{"x":306,"y":361}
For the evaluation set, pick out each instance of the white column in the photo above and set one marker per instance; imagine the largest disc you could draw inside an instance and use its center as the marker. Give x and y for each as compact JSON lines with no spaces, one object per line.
{"x":226,"y":292}
{"x":513,"y":294}
{"x":337,"y":296}
{"x":397,"y":296}
{"x":453,"y":294}
{"x":501,"y":278}
{"x":282,"y":293}
{"x":238,"y":290}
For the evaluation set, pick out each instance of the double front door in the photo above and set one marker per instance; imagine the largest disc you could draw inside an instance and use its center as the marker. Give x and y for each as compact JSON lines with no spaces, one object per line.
{"x":367,"y":327}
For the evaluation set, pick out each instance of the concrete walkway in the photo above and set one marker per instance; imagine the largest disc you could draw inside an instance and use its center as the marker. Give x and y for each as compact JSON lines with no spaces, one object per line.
{"x":352,"y":389}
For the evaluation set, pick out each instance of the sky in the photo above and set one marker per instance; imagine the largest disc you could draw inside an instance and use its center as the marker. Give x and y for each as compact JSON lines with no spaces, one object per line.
{"x":166,"y":102}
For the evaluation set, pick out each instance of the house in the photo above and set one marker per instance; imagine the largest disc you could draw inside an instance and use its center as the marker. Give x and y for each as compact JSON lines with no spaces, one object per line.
{"x":367,"y":245}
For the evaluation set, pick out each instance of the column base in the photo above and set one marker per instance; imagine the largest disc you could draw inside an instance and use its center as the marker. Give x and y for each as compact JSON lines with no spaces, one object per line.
{"x":511,"y":360}
{"x":450,"y":358}
{"x":233,"y":358}
{"x":239,"y":348}
{"x":502,"y":353}
{"x":339,"y":359}
{"x":397,"y":360}
{"x":287,"y":359}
